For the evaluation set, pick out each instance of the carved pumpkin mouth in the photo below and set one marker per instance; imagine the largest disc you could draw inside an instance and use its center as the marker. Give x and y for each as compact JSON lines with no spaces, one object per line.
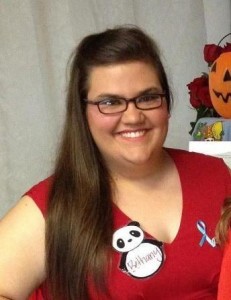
{"x":224,"y":98}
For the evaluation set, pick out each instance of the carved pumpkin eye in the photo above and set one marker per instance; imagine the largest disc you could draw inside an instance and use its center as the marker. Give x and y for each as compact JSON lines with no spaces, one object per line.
{"x":220,"y":85}
{"x":214,"y":66}
{"x":227,"y":76}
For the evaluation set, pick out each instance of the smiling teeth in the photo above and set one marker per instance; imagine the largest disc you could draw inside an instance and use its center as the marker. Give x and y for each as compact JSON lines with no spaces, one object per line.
{"x":133,"y":134}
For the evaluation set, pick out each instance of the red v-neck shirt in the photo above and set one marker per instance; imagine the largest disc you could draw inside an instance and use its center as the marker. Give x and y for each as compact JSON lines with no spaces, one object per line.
{"x":190,"y":270}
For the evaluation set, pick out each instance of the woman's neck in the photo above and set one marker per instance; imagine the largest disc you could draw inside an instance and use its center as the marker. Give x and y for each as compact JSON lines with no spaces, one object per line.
{"x":153,"y":169}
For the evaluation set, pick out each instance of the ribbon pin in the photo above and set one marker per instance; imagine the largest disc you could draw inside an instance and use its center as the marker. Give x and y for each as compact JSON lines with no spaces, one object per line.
{"x":202,"y":228}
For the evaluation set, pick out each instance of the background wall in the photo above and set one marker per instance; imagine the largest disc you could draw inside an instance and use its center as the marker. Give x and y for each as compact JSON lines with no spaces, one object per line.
{"x":37,"y":37}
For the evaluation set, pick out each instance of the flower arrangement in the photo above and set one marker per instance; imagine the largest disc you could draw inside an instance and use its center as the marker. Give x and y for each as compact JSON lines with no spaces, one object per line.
{"x":199,"y":87}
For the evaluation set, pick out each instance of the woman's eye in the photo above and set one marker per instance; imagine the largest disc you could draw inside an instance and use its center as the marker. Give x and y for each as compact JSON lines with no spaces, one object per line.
{"x":147,"y":98}
{"x":110,"y":102}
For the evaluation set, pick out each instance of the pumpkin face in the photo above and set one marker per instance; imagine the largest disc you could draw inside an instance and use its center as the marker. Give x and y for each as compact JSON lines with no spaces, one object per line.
{"x":220,"y":85}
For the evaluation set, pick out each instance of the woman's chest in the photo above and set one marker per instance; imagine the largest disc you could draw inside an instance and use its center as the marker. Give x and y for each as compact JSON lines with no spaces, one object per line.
{"x":151,"y":270}
{"x":187,"y":268}
{"x":158,"y":209}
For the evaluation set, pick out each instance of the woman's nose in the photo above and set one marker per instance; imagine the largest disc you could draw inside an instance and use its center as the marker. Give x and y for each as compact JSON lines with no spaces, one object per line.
{"x":133,"y":115}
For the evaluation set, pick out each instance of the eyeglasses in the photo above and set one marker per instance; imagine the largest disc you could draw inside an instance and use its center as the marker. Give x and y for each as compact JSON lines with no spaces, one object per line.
{"x":118,"y":105}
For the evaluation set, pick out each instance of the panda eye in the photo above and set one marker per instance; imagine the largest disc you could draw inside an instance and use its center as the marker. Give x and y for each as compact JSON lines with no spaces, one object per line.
{"x":120,"y":243}
{"x":134,"y":233}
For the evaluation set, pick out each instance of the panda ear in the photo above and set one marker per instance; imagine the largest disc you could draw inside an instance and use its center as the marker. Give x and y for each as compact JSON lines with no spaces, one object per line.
{"x":134,"y":223}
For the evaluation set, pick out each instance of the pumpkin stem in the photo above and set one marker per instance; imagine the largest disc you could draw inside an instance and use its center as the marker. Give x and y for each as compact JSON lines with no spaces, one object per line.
{"x":223,"y":38}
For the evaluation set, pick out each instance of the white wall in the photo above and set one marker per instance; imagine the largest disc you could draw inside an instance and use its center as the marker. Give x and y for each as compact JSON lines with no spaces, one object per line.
{"x":36,"y":40}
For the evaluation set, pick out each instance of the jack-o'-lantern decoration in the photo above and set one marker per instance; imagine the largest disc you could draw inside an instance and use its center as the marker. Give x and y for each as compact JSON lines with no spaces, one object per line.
{"x":220,"y":84}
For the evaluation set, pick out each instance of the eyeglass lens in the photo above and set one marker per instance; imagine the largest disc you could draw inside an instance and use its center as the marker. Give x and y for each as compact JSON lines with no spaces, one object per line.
{"x":115,"y":105}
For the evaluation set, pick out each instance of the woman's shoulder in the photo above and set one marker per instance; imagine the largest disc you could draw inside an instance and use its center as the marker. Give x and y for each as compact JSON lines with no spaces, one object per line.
{"x":199,"y":163}
{"x":40,"y":193}
{"x":22,"y":250}
{"x":180,"y":154}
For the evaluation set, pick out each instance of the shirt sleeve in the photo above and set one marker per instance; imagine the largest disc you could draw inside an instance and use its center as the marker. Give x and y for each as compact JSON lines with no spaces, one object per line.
{"x":40,"y":194}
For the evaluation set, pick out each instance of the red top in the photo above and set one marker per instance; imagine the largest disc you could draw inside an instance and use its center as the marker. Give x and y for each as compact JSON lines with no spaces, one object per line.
{"x":189,"y":267}
{"x":224,"y":287}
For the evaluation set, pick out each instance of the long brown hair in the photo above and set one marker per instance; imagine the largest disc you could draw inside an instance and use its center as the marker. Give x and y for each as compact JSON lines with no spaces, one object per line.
{"x":80,"y":221}
{"x":224,"y":224}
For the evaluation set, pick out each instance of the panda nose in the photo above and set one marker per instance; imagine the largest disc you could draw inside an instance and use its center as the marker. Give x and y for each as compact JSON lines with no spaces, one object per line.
{"x":129,"y":240}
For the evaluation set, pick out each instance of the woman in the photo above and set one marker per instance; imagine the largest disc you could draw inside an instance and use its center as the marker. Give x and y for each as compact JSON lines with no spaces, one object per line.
{"x":122,"y":217}
{"x":223,"y":237}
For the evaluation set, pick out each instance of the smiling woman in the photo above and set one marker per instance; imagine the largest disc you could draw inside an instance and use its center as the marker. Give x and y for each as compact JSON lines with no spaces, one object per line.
{"x":119,"y":208}
{"x":134,"y":134}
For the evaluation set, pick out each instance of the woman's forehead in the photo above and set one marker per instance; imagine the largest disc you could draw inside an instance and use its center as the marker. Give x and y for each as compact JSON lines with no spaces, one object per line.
{"x":121,"y":78}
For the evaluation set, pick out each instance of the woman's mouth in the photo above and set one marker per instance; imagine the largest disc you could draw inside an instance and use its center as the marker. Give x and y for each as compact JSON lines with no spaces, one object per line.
{"x":133,"y":134}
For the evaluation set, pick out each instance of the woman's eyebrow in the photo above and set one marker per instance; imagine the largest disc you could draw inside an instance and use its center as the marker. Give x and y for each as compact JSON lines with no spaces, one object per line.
{"x":109,"y":95}
{"x":141,"y":93}
{"x":150,"y":90}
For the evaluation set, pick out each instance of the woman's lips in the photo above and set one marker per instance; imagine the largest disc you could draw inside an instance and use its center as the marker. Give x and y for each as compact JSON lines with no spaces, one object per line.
{"x":133,"y":134}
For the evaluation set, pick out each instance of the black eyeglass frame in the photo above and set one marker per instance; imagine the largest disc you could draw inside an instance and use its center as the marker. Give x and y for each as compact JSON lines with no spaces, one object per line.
{"x":127,"y":101}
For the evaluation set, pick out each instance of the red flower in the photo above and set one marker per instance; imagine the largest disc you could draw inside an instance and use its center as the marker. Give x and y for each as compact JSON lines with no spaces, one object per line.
{"x":212,"y":52}
{"x":203,"y":94}
{"x":199,"y":92}
{"x":227,"y":47}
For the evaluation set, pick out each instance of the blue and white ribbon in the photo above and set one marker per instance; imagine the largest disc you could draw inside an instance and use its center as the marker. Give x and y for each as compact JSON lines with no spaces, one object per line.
{"x":202,"y":228}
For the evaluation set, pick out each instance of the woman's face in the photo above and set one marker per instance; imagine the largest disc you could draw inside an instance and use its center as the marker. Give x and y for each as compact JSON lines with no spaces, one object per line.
{"x":133,"y":136}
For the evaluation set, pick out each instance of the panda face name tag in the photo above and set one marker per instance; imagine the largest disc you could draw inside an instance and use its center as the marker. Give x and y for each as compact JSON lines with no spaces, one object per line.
{"x":140,"y":257}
